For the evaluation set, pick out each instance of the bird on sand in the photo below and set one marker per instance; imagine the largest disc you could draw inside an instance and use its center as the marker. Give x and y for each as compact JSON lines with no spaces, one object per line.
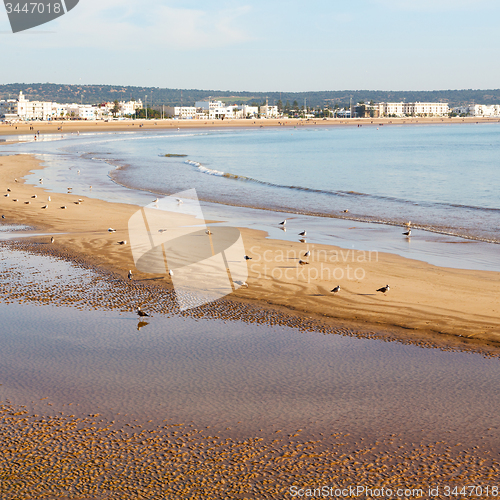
{"x":282,"y":223}
{"x":303,"y":233}
{"x":242,"y":283}
{"x":142,"y":314}
{"x":336,"y":289}
{"x":3,"y":216}
{"x":7,"y":195}
{"x":15,"y":199}
{"x":303,"y":262}
{"x":247,"y":257}
{"x":170,"y":273}
{"x":208,"y":232}
{"x":179,"y":201}
{"x":111,"y":230}
{"x":63,"y":207}
{"x":45,"y":206}
{"x":49,"y":199}
{"x":407,"y":233}
{"x":27,"y":202}
{"x":130,"y":275}
{"x":52,"y":239}
{"x":307,"y":253}
{"x":384,"y":289}
{"x":8,"y":190}
{"x":34,"y":196}
{"x":123,"y":242}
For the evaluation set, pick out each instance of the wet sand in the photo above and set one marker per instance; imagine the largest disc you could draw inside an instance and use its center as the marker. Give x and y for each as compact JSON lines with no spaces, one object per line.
{"x":423,"y":298}
{"x":74,"y":446}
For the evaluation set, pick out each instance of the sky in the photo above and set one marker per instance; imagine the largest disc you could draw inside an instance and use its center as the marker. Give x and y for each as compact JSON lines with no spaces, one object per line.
{"x":257,"y":45}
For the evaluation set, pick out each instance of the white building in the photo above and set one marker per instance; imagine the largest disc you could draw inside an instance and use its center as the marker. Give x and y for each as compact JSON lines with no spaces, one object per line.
{"x":249,"y":111}
{"x":269,"y":111}
{"x":181,"y":112}
{"x":479,"y":110}
{"x":401,"y":109}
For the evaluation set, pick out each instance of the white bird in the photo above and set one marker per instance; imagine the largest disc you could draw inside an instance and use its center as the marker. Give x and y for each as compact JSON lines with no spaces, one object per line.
{"x":208,"y":231}
{"x":155,"y":201}
{"x":282,"y":223}
{"x":7,"y":195}
{"x":307,"y":254}
{"x":64,"y":207}
{"x":303,"y":233}
{"x":49,"y":199}
{"x":171,"y":273}
{"x":15,"y":180}
{"x":384,"y":289}
{"x":179,"y":201}
{"x":111,"y":230}
{"x":242,"y":283}
{"x":123,"y":242}
{"x":336,"y":289}
{"x":52,"y":239}
{"x":130,"y":275}
{"x":408,"y":233}
{"x":408,"y":224}
{"x":80,"y":200}
{"x":161,"y":230}
{"x":77,"y":202}
{"x":303,"y":262}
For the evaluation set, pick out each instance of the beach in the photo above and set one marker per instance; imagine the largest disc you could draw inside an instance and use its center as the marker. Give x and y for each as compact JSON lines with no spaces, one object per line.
{"x":280,"y":387}
{"x":422,"y":297}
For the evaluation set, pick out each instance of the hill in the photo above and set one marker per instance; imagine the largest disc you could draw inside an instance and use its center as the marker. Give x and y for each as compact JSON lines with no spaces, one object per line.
{"x":93,"y":94}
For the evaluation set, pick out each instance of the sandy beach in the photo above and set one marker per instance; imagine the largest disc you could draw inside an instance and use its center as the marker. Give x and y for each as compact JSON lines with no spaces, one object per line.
{"x":58,"y":127}
{"x":423,"y":298}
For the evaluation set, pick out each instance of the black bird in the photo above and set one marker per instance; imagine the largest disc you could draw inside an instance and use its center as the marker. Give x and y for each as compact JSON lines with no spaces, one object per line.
{"x":52,"y":239}
{"x":3,"y":216}
{"x":247,"y":257}
{"x":142,"y":314}
{"x":130,"y":275}
{"x":303,"y":233}
{"x":282,"y":223}
{"x":336,"y":289}
{"x":407,"y":233}
{"x":384,"y":289}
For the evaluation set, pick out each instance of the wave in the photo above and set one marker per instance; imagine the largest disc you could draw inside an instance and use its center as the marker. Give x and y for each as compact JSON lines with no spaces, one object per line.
{"x":205,"y":170}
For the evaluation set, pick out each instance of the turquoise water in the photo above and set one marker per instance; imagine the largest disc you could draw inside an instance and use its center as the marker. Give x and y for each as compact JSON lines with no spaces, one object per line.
{"x":441,"y":177}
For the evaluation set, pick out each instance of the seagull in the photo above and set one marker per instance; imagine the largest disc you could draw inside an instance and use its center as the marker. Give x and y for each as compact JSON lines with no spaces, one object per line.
{"x":45,"y":206}
{"x":48,"y":199}
{"x":384,"y":289}
{"x":346,"y":211}
{"x":123,"y":242}
{"x":208,"y":231}
{"x":15,"y":199}
{"x":161,"y":230}
{"x":7,"y":195}
{"x":303,"y":233}
{"x":407,"y":233}
{"x":80,"y":200}
{"x":52,"y":239}
{"x":3,"y":216}
{"x":303,"y":262}
{"x":282,"y":223}
{"x":40,"y":180}
{"x":170,"y":273}
{"x":242,"y":283}
{"x":15,"y":180}
{"x":179,"y":201}
{"x":336,"y":289}
{"x":307,"y":254}
{"x":156,"y":200}
{"x":63,"y":207}
{"x":142,"y":314}
{"x":247,"y":257}
{"x":8,"y":190}
{"x":408,"y":224}
{"x":34,"y":196}
{"x":27,"y":202}
{"x":111,"y":230}
{"x":130,"y":275}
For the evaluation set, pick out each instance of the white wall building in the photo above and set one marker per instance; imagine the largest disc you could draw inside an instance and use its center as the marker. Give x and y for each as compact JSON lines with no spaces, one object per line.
{"x":479,"y":110}
{"x":181,"y":112}
{"x":401,"y":109}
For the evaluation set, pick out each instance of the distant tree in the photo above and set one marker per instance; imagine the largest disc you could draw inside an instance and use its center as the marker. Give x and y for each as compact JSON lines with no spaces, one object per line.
{"x":295,"y":105}
{"x":116,"y":108}
{"x":280,"y":106}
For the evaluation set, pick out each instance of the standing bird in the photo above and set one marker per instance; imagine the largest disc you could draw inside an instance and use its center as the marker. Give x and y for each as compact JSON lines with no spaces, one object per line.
{"x":52,"y":239}
{"x":130,"y":275}
{"x":282,"y":223}
{"x":63,"y":207}
{"x":7,"y":195}
{"x":336,"y":289}
{"x":8,"y":190}
{"x":303,"y":262}
{"x":307,"y":254}
{"x":170,"y":273}
{"x":247,"y":257}
{"x":303,"y":233}
{"x":142,"y":314}
{"x":208,"y":232}
{"x":111,"y":230}
{"x":384,"y":289}
{"x":34,"y":196}
{"x":179,"y":201}
{"x":407,"y":233}
{"x":123,"y":242}
{"x":49,"y":199}
{"x":45,"y":206}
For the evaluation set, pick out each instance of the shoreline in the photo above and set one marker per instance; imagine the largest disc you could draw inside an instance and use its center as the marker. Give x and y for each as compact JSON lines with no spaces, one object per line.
{"x":467,"y":304}
{"x":61,"y":127}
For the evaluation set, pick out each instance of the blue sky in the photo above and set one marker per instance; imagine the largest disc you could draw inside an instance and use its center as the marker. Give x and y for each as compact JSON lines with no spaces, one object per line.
{"x":261,"y":45}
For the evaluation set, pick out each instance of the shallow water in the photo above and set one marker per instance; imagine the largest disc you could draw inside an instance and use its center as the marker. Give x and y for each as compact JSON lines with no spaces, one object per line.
{"x":224,"y":372}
